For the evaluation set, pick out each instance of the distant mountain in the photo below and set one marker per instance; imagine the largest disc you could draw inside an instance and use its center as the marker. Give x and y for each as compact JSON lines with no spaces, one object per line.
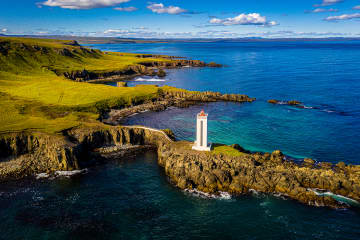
{"x":109,"y":40}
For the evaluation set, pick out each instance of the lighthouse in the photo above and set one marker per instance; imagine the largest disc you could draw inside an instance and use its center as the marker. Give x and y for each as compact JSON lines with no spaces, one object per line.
{"x":201,"y":143}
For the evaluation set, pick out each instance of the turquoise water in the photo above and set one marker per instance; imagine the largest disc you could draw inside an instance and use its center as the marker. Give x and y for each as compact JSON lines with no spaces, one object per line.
{"x":133,"y":199}
{"x":325,"y":76}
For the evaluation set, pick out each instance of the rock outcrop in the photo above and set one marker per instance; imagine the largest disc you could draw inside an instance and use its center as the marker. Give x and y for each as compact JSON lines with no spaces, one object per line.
{"x":291,"y":102}
{"x":267,"y":173}
{"x":173,"y":97}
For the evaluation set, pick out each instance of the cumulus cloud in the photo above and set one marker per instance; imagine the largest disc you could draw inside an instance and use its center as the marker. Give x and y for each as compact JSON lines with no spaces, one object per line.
{"x":82,"y":4}
{"x":4,"y":30}
{"x":126,"y":9}
{"x":356,"y":7}
{"x":328,"y":3}
{"x":343,"y":17}
{"x":244,"y":19}
{"x":161,"y":8}
{"x":321,"y":10}
{"x":133,"y":33}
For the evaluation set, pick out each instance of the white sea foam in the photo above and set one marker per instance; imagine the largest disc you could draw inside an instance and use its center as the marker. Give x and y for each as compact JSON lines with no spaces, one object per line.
{"x":253,"y":191}
{"x":340,"y":198}
{"x":200,"y":194}
{"x":42,"y":175}
{"x":140,"y":79}
{"x":70,"y":173}
{"x":133,"y":114}
{"x":306,"y":107}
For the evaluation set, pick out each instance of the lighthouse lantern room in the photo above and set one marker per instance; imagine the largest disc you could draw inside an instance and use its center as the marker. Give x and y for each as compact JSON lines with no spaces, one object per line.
{"x":201,"y":143}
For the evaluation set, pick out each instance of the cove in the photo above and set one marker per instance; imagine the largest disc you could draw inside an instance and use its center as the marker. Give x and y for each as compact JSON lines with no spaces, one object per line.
{"x":132,"y":199}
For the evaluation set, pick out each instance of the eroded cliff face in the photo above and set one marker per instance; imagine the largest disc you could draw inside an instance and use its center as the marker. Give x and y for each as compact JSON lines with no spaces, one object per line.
{"x":148,"y":68}
{"x":267,"y":173}
{"x":23,"y":154}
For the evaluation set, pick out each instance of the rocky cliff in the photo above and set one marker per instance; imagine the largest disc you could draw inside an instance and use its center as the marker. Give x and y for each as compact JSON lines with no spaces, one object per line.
{"x":146,"y":68}
{"x":23,"y":154}
{"x":267,"y":173}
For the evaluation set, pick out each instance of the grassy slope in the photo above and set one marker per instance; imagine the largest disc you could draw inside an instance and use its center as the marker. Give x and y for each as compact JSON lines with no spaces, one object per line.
{"x":33,"y":97}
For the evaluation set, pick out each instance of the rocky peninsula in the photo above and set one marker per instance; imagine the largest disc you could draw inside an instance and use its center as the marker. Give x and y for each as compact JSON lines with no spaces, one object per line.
{"x":25,"y":154}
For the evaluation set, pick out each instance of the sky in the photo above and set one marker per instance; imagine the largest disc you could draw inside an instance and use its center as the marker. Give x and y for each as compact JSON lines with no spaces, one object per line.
{"x":182,"y":18}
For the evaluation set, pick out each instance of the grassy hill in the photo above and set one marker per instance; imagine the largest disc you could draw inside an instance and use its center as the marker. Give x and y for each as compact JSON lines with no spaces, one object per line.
{"x":34,"y":94}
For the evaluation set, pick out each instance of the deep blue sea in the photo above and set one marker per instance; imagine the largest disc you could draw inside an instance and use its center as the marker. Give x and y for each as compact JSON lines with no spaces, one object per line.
{"x":132,"y":199}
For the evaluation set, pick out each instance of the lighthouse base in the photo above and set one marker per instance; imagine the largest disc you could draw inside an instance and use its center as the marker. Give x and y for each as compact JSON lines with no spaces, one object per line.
{"x":201,"y":148}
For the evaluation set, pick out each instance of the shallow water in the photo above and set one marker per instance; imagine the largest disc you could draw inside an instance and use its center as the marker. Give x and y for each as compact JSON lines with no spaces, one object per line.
{"x":323,"y":75}
{"x":132,"y":199}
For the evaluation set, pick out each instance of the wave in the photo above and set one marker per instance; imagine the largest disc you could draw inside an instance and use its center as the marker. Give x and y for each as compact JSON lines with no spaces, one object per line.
{"x":200,"y":194}
{"x":69,"y":173}
{"x":42,"y":175}
{"x":60,"y":174}
{"x":337,"y":197}
{"x":140,"y":79}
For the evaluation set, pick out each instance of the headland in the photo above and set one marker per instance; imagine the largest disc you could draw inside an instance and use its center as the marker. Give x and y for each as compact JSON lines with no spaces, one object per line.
{"x":54,"y":119}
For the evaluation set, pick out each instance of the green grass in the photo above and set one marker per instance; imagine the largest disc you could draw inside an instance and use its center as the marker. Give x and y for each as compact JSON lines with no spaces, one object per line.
{"x":226,"y":150}
{"x":32,"y":96}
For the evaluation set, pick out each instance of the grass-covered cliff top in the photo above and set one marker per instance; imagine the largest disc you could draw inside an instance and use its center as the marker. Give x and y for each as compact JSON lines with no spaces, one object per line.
{"x":33,"y":95}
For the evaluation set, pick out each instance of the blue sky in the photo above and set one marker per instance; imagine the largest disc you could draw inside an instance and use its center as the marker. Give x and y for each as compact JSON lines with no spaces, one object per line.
{"x":182,"y":18}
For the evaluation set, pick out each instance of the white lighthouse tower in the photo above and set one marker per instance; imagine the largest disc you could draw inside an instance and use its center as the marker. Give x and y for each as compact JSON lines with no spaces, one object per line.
{"x":201,"y":143}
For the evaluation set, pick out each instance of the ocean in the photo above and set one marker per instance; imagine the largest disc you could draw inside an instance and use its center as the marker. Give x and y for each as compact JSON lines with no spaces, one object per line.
{"x":133,"y":199}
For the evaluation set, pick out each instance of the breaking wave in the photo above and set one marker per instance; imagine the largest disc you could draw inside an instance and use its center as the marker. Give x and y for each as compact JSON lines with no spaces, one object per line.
{"x":140,"y":79}
{"x":200,"y":194}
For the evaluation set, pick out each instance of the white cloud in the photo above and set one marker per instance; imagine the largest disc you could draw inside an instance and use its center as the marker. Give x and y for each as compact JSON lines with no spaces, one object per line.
{"x":356,"y":7}
{"x":328,"y":3}
{"x":343,"y":17}
{"x":126,"y":9}
{"x":115,"y":31}
{"x":161,"y":8}
{"x":4,"y":30}
{"x":81,"y":4}
{"x":244,"y":19}
{"x":321,"y":10}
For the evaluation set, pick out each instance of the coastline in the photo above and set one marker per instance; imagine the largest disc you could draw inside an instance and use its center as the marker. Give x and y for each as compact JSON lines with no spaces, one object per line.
{"x":29,"y":151}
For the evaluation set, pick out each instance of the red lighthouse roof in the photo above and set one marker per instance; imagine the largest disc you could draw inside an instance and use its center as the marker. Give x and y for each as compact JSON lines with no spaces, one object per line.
{"x":202,"y":113}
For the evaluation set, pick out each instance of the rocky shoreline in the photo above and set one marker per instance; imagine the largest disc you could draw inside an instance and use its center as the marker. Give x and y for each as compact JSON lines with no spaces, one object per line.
{"x":261,"y":172}
{"x":175,"y":98}
{"x":27,"y":154}
{"x":146,"y":68}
